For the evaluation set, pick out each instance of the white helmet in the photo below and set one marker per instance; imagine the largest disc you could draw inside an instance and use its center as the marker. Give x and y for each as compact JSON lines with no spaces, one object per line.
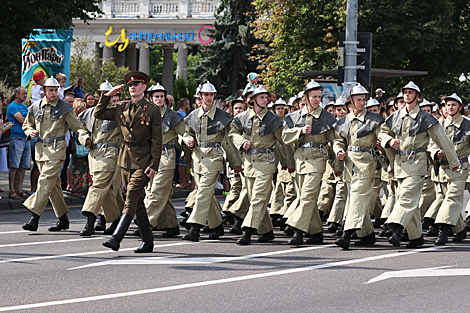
{"x":156,"y":87}
{"x":379,"y":90}
{"x":259,"y":90}
{"x":312,"y":85}
{"x":329,"y":103}
{"x":412,"y":86}
{"x":280,"y":101}
{"x":270,"y":105}
{"x":425,"y":103}
{"x":340,"y":102}
{"x":197,"y":91}
{"x":239,"y":99}
{"x":300,"y":95}
{"x":51,"y":82}
{"x":249,"y":90}
{"x":358,"y":90}
{"x":454,"y":97}
{"x":207,"y":87}
{"x":371,"y":103}
{"x":291,"y":101}
{"x":435,"y":108}
{"x":106,"y":86}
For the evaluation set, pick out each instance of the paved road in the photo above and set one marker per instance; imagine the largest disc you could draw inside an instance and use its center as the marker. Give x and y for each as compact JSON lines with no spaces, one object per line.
{"x":57,"y":272}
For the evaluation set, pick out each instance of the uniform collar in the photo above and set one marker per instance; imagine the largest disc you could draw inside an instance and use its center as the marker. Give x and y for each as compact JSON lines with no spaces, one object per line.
{"x":361,"y":116}
{"x":52,"y":103}
{"x":316,"y":113}
{"x":210,"y":113}
{"x":163,"y":109}
{"x":261,"y":114}
{"x":457,"y":123}
{"x":413,"y":114}
{"x":141,"y":101}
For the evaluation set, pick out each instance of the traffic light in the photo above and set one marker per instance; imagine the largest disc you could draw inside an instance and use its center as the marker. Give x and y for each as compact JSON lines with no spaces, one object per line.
{"x":364,"y":58}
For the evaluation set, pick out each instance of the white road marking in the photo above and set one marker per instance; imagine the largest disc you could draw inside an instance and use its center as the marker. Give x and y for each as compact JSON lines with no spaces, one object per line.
{"x":207,"y":260}
{"x":13,"y":232}
{"x":48,"y":242}
{"x":213,"y":282}
{"x":422,"y":272}
{"x":46,"y":257}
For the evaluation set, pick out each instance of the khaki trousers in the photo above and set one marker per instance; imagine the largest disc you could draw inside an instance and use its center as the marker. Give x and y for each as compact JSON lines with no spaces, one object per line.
{"x":103,"y":191}
{"x":391,"y":199}
{"x":157,"y":200}
{"x":358,"y":216}
{"x":375,"y":207}
{"x":241,"y":206}
{"x":48,"y":188}
{"x":428,"y":195}
{"x":283,"y":196}
{"x":135,"y":181}
{"x":191,"y":198}
{"x":450,"y":212}
{"x":206,"y":206}
{"x":259,"y":191}
{"x":326,"y":197}
{"x":339,"y":204}
{"x":306,"y":216}
{"x":436,"y":204}
{"x":406,"y":211}
{"x":236,"y":186}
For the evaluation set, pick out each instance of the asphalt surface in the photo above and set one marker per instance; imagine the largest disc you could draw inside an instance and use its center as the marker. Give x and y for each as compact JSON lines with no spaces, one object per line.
{"x":56,"y":272}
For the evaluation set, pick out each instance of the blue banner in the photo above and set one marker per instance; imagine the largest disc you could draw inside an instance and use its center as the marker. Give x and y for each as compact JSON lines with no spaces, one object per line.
{"x":47,"y":51}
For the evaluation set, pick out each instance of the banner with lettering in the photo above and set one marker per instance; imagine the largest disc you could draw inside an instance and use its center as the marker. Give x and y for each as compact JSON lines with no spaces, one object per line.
{"x":48,"y":51}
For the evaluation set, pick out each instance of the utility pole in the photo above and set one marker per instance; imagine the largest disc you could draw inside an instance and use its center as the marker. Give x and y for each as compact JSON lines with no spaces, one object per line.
{"x":350,"y":68}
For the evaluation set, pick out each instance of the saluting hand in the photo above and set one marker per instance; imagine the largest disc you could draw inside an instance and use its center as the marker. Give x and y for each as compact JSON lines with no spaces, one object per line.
{"x":114,"y":91}
{"x":307,"y":129}
{"x":341,"y":155}
{"x":247,"y":145}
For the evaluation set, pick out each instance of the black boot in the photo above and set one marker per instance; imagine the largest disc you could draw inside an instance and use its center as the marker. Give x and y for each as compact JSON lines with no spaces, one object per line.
{"x":184,"y":223}
{"x":88,"y":230}
{"x":237,"y":226}
{"x":467,"y":223}
{"x":345,"y":239}
{"x":112,"y":228}
{"x":298,"y":238}
{"x":63,"y":223}
{"x":274,"y":218}
{"x":245,"y":239}
{"x":289,"y":231}
{"x":442,"y":237}
{"x":281,"y":222}
{"x":385,"y":232}
{"x":171,"y":232}
{"x":427,"y":222}
{"x":395,"y":239}
{"x":333,"y":227}
{"x":339,"y":232}
{"x":146,"y":235}
{"x":119,"y":233}
{"x":33,"y":223}
{"x":460,"y":236}
{"x":100,"y":223}
{"x":366,"y":240}
{"x":315,"y":239}
{"x":415,"y":243}
{"x":433,"y":231}
{"x":217,"y":232}
{"x":267,"y":237}
{"x":193,"y":234}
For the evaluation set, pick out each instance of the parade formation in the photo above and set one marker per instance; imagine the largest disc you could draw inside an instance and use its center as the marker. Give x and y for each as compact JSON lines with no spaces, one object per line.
{"x":299,"y":166}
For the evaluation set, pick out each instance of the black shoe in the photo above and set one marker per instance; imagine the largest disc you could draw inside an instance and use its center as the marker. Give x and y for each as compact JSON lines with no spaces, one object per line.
{"x":33,"y":223}
{"x":89,"y":230}
{"x":146,"y":235}
{"x":366,"y":240}
{"x":467,"y":223}
{"x":228,"y":219}
{"x":385,"y":232}
{"x":237,"y":226}
{"x":333,"y":227}
{"x":171,"y":232}
{"x":185,"y":224}
{"x":217,"y":232}
{"x":112,"y":228}
{"x":289,"y":231}
{"x":339,"y":232}
{"x":281,"y":222}
{"x":135,"y":232}
{"x":433,"y":231}
{"x":62,"y":224}
{"x":206,"y":229}
{"x":274,"y":219}
{"x":267,"y":237}
{"x":404,"y":237}
{"x":297,"y":239}
{"x":115,"y":241}
{"x":415,"y":243}
{"x":378,"y":223}
{"x":315,"y":239}
{"x":344,"y":240}
{"x":245,"y":239}
{"x":443,"y":235}
{"x":194,"y":233}
{"x":100,"y":223}
{"x":427,"y":222}
{"x":460,"y":236}
{"x":395,"y":239}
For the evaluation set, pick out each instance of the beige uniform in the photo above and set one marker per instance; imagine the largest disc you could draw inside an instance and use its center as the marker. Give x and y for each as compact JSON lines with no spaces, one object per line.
{"x":311,"y":154}
{"x":106,"y":140}
{"x":284,"y":192}
{"x":260,"y":162}
{"x":414,"y":130}
{"x":51,"y":121}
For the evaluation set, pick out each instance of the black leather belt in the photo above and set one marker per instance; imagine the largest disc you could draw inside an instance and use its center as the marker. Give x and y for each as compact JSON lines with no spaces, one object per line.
{"x":208,"y":144}
{"x":410,"y":151}
{"x":259,"y":150}
{"x":311,"y":145}
{"x":129,"y":143}
{"x":462,"y":160}
{"x":103,"y":145}
{"x":51,"y":140}
{"x":360,"y":149}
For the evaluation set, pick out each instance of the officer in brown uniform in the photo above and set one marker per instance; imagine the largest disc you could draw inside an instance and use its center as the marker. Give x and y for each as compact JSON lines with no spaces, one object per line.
{"x":141,"y":126}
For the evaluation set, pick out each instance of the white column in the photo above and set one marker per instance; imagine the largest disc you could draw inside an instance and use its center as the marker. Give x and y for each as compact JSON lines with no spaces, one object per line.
{"x":182,"y":61}
{"x":107,"y":8}
{"x":144,"y":9}
{"x":167,"y":70}
{"x":144,"y":55}
{"x":184,"y":9}
{"x":107,"y":53}
{"x":131,"y":57}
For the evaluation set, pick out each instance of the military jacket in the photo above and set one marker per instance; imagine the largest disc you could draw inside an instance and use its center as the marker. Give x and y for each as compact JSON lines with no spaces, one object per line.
{"x":311,"y":160}
{"x":51,"y":120}
{"x":358,"y":131}
{"x":263,"y":130}
{"x":414,"y":130}
{"x":210,"y":127}
{"x":103,"y":159}
{"x":459,"y":133}
{"x":143,"y":125}
{"x":173,"y":125}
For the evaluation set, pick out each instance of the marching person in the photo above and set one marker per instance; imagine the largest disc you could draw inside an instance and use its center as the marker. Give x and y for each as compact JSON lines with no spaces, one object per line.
{"x":311,"y":130}
{"x":255,"y":133}
{"x":160,"y":189}
{"x":452,"y":183}
{"x":408,"y":131}
{"x":141,"y":126}
{"x":49,"y":119}
{"x":357,"y":134}
{"x":206,"y":132}
{"x":106,"y":141}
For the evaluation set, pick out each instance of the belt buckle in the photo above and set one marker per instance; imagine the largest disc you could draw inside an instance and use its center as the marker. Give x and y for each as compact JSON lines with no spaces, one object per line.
{"x":412,"y":156}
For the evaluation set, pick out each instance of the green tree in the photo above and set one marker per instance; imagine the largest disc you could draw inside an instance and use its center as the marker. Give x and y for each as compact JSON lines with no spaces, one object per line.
{"x":226,"y":60}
